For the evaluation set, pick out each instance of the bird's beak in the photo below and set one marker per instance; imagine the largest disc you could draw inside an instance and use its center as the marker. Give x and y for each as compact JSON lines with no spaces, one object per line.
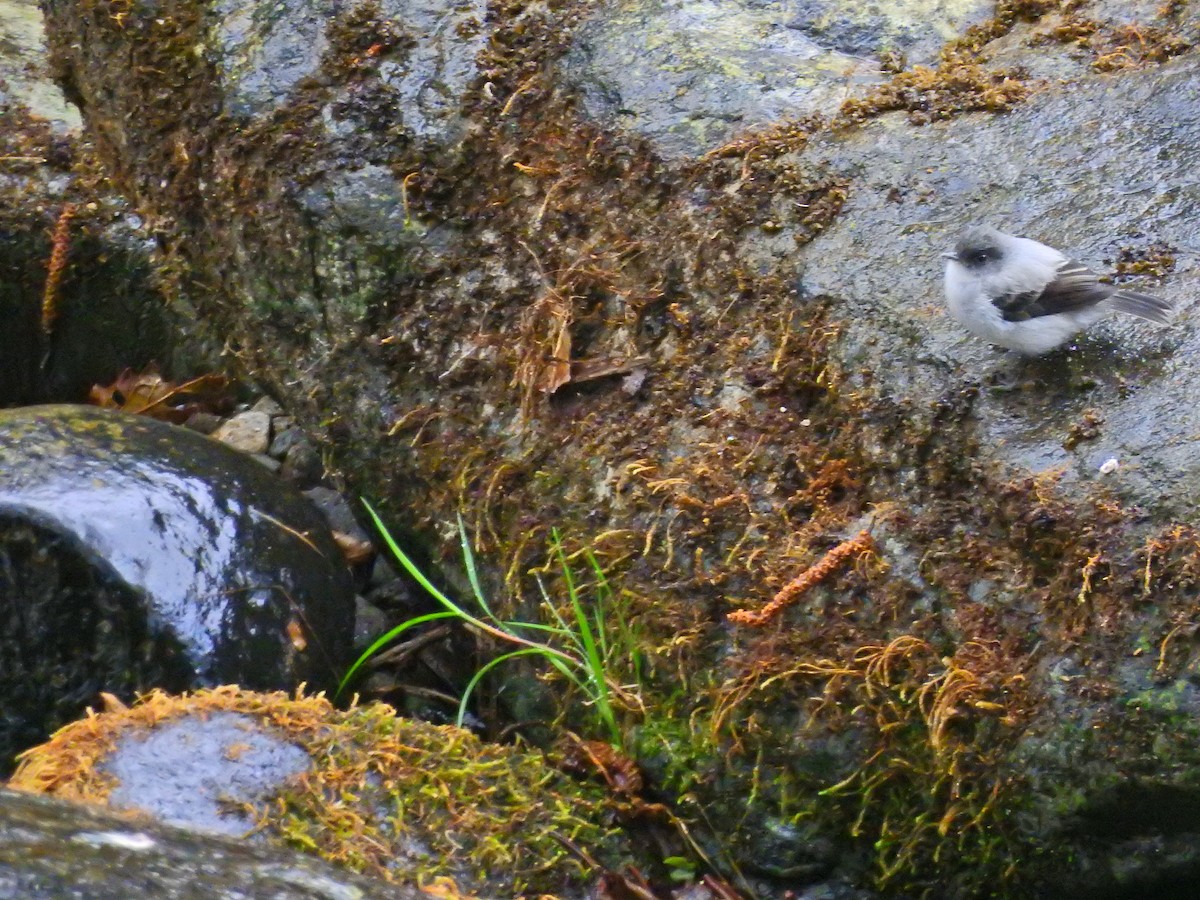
{"x":949,"y":255}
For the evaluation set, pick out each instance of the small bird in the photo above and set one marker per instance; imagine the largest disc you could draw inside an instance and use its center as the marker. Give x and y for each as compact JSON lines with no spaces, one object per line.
{"x":1028,"y":297}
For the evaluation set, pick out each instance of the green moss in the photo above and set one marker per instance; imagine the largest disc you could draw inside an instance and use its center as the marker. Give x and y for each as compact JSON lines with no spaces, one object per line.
{"x":395,"y":795}
{"x":402,"y":800}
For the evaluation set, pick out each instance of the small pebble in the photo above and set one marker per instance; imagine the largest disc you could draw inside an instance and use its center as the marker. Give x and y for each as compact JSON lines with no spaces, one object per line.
{"x":1109,"y":466}
{"x":203,"y":422}
{"x":284,"y":440}
{"x":249,"y":432}
{"x":302,"y":466}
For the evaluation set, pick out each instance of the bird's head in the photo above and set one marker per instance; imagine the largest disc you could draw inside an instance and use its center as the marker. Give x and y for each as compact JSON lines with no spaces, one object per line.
{"x":979,"y":248}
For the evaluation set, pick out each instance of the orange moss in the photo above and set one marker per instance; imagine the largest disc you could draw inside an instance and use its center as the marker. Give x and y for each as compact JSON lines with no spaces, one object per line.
{"x":1131,"y":46}
{"x":794,"y":589}
{"x":378,"y":786}
{"x":60,"y":242}
{"x":958,"y":83}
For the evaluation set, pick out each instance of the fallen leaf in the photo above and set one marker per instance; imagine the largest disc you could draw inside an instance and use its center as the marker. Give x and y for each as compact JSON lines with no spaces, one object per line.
{"x":148,"y":393}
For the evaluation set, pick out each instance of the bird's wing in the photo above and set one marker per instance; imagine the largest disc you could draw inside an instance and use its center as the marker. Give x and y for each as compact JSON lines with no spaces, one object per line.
{"x":1074,"y":287}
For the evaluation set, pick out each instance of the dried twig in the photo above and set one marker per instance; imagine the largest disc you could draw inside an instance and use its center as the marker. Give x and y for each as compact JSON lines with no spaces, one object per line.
{"x":792,"y":591}
{"x":60,"y":242}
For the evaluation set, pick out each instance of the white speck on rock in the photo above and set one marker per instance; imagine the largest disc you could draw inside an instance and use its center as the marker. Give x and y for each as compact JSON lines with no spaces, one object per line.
{"x":124,"y":840}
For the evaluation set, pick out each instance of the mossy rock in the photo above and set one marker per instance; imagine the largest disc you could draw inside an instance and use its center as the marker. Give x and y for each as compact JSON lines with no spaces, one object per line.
{"x":399,"y":799}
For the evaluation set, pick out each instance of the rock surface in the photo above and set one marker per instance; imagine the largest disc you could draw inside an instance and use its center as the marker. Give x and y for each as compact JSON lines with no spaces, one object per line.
{"x":109,"y":313}
{"x":50,"y":849}
{"x":1111,"y":178}
{"x":406,"y":801}
{"x":24,"y":75}
{"x":716,"y":370}
{"x":248,"y":432}
{"x":137,"y":554}
{"x":201,"y":772}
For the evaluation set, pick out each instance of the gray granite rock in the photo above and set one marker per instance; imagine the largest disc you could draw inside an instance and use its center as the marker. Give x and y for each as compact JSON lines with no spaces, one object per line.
{"x":51,"y":850}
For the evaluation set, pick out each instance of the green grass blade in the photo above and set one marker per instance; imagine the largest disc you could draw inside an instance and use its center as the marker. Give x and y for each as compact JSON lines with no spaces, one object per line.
{"x":483,"y":670}
{"x":563,"y":630}
{"x":472,"y":572}
{"x":384,"y":639}
{"x":597,"y":676}
{"x":409,"y":565}
{"x":569,"y":673}
{"x":612,"y":609}
{"x":587,"y":635}
{"x":419,"y":577}
{"x":600,"y":612}
{"x":554,"y":630}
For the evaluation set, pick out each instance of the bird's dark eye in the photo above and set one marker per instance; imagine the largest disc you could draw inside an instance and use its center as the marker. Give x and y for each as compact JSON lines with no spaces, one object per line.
{"x":978,"y":257}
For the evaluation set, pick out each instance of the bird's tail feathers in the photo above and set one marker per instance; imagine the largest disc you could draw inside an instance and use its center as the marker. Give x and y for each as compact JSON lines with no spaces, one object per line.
{"x":1144,"y":306}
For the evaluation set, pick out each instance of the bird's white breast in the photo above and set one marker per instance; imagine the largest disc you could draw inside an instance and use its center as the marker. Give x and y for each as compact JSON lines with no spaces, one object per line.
{"x":969,"y":298}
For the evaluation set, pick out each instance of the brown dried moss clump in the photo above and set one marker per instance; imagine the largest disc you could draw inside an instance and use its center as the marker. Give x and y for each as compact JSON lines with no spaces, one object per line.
{"x":959,"y":83}
{"x":1132,"y":46}
{"x":397,"y":799}
{"x":1156,"y":260}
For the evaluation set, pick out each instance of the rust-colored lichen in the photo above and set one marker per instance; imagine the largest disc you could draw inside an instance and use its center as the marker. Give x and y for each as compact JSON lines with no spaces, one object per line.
{"x":1116,"y":48}
{"x":1087,"y":428}
{"x":1136,"y":46}
{"x":1155,"y":260}
{"x":960,"y":81}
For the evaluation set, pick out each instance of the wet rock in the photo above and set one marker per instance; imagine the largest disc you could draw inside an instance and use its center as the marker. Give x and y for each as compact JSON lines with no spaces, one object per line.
{"x":302,"y":465}
{"x":689,"y":74}
{"x":51,"y":849}
{"x":337,"y":512}
{"x":1132,"y":380}
{"x":204,"y":423}
{"x":197,"y":772}
{"x":267,"y":48}
{"x":138,"y":554}
{"x":915,"y":28}
{"x":268,"y":405}
{"x":285,"y":438}
{"x":24,"y":75}
{"x":369,"y":623}
{"x":267,"y":462}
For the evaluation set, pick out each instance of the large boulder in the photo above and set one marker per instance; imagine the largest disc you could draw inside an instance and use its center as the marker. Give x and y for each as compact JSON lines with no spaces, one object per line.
{"x":136,"y":554}
{"x":714,"y":364}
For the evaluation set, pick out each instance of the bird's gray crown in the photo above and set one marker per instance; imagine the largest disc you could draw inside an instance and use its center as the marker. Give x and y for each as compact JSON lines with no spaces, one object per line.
{"x":979,"y":247}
